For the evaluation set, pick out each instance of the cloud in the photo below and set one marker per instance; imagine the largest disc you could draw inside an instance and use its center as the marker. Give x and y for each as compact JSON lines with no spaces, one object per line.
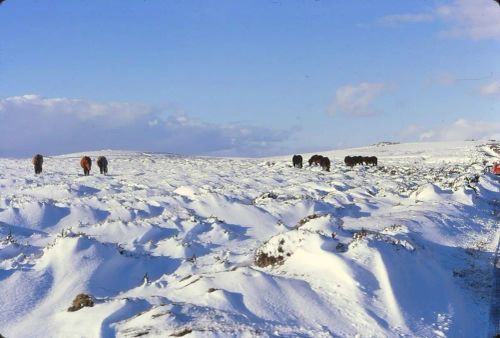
{"x":406,"y":18}
{"x":32,"y":123}
{"x":356,"y":100}
{"x":459,"y":130}
{"x":112,"y":114}
{"x":478,"y":19}
{"x":492,"y":88}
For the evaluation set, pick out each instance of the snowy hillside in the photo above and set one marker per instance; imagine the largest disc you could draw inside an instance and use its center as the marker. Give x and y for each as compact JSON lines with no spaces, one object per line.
{"x":169,"y":245}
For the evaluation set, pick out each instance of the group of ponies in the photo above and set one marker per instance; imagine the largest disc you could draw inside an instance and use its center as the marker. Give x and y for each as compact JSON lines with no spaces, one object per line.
{"x":324,"y":161}
{"x":85,"y":163}
{"x":351,"y":161}
{"x":320,"y":160}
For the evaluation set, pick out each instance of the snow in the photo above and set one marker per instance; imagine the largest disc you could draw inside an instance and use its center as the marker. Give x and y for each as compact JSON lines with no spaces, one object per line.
{"x":168,"y":244}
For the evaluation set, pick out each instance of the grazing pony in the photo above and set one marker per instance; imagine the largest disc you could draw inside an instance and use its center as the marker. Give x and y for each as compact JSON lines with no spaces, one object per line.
{"x":297,"y":161}
{"x":102,"y":162}
{"x":37,"y":162}
{"x":316,"y":159}
{"x":371,"y":160}
{"x":351,"y":161}
{"x":325,"y":163}
{"x":86,"y":164}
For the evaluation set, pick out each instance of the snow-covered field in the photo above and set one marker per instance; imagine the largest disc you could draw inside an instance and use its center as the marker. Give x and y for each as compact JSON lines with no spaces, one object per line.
{"x":170,"y":245}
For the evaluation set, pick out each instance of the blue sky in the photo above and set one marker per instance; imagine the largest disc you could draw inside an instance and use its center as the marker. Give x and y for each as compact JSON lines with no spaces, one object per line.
{"x":247,"y":78}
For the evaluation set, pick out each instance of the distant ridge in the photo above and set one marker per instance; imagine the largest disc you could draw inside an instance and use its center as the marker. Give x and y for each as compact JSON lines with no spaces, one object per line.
{"x":384,"y":143}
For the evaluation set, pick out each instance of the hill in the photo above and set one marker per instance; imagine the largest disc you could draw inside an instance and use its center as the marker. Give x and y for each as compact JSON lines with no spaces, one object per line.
{"x":173,"y":245}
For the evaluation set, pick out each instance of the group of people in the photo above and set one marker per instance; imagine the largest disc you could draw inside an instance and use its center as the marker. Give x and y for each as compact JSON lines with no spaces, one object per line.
{"x":324,"y":161}
{"x":85,"y":163}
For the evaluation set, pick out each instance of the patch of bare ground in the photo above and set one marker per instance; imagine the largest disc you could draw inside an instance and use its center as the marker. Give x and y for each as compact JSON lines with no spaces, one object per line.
{"x":264,"y":259}
{"x":307,"y":219}
{"x":182,"y":332}
{"x":81,"y":301}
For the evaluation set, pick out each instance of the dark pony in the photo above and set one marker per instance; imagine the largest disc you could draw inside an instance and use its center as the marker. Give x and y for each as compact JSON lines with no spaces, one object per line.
{"x":297,"y":161}
{"x":316,"y":159}
{"x":325,"y":163}
{"x":102,"y":162}
{"x":86,"y":164}
{"x":37,"y":163}
{"x":371,"y":160}
{"x":351,"y":161}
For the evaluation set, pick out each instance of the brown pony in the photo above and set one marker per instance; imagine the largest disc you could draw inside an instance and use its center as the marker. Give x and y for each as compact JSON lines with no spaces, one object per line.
{"x":315,"y":159}
{"x":325,"y":163}
{"x":37,"y":162}
{"x":349,"y":161}
{"x":102,"y":163}
{"x":86,"y":164}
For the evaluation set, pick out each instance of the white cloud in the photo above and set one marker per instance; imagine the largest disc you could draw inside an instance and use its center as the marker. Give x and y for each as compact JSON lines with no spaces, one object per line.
{"x":478,"y":19}
{"x":473,"y":19}
{"x":492,"y":88}
{"x":459,"y":130}
{"x":406,"y":18}
{"x":32,"y":123}
{"x":356,"y":100}
{"x":112,"y":113}
{"x":427,"y":135}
